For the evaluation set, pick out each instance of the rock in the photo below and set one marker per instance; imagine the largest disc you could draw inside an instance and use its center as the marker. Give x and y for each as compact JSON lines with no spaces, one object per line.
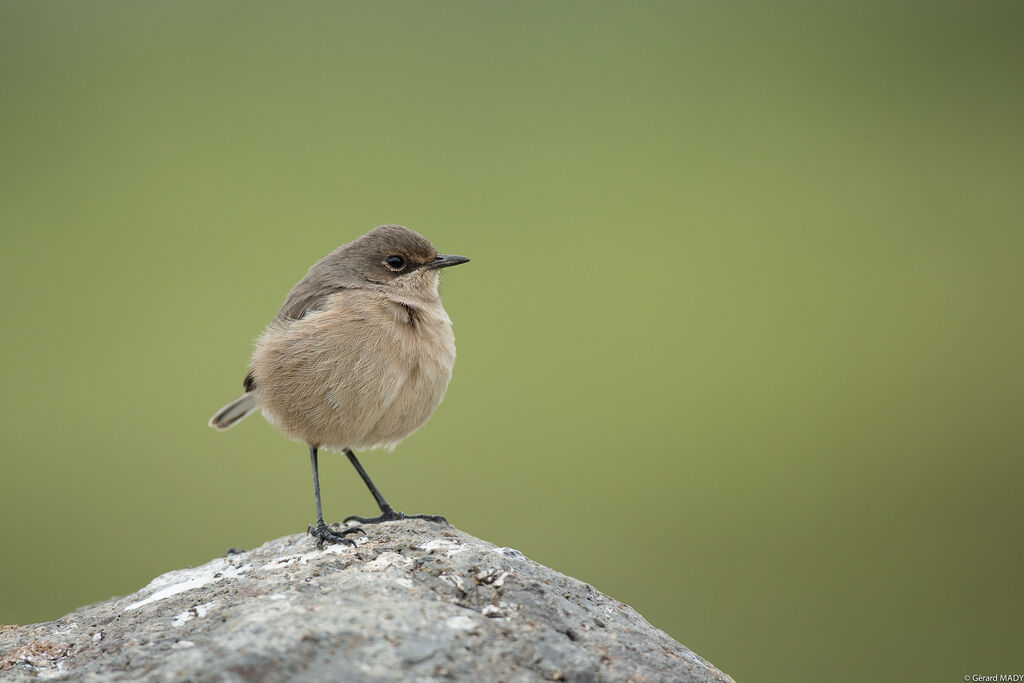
{"x":414,"y":600}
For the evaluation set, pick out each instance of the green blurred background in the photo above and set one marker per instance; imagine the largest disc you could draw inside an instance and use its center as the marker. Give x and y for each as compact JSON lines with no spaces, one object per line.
{"x":740,"y":343}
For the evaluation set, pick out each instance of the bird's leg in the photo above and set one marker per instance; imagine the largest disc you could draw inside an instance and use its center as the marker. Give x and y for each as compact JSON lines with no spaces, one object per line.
{"x":387,"y":513}
{"x":321,"y":532}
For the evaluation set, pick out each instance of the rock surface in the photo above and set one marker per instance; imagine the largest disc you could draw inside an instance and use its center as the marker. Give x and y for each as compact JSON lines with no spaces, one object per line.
{"x":414,"y":601}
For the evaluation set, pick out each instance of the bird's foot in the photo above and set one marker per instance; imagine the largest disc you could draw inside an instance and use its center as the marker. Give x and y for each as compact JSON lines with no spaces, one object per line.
{"x":391,"y":515}
{"x":325,"y":534}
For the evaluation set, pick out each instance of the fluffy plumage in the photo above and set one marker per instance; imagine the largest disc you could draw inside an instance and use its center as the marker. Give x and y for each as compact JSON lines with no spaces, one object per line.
{"x":360,"y":354}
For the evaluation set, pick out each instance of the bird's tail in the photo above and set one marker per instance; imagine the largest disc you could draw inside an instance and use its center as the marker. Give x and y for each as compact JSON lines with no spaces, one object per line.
{"x":235,"y":411}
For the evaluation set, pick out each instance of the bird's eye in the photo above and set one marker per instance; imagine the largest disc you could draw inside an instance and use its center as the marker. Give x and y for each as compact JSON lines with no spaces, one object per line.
{"x":394,"y":262}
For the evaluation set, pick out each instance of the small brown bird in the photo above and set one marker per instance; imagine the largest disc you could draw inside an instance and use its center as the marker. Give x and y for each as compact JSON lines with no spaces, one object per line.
{"x":359,"y":357}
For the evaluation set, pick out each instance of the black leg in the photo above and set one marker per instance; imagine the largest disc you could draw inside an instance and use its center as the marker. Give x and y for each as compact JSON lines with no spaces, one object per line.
{"x":387,"y":513}
{"x":322,"y":533}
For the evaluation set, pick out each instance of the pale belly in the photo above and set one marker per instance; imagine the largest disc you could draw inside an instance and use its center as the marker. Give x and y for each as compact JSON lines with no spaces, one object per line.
{"x":335,"y":380}
{"x":407,"y":409}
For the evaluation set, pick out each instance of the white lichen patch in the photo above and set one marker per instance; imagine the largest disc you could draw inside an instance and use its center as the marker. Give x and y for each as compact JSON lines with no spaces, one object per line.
{"x":173,"y":583}
{"x":454,"y":580}
{"x":509,"y":552}
{"x":285,"y":561}
{"x":386,"y":560}
{"x":460,"y":623}
{"x":312,"y":555}
{"x":199,"y":611}
{"x":493,"y":611}
{"x":332,"y":549}
{"x":443,"y":544}
{"x":493,"y":577}
{"x":404,"y":582}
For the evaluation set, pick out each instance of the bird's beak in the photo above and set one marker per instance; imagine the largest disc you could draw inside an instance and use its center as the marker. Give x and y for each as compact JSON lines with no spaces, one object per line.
{"x":445,"y":260}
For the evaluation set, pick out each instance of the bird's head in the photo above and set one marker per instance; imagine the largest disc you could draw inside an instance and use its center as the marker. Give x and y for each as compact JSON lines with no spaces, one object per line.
{"x":396,"y":259}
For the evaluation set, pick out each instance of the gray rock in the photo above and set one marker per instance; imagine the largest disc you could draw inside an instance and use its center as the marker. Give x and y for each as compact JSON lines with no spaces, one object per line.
{"x":414,"y":601}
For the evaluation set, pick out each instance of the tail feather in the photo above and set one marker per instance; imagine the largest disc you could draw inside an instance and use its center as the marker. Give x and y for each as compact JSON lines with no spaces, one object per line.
{"x":235,"y":411}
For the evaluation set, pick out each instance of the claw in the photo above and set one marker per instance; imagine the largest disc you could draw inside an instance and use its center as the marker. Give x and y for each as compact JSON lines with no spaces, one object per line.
{"x":324,"y":534}
{"x":393,"y":516}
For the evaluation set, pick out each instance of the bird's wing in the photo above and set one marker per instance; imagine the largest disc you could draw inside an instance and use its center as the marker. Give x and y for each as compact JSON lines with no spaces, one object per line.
{"x":305,"y":297}
{"x":308,"y":295}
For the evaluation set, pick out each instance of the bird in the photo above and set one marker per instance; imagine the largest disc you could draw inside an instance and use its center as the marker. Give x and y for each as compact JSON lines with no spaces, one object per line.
{"x":358,"y":358}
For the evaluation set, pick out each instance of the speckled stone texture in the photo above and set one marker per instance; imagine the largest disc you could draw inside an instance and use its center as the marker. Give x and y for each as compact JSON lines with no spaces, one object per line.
{"x":414,"y":601}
